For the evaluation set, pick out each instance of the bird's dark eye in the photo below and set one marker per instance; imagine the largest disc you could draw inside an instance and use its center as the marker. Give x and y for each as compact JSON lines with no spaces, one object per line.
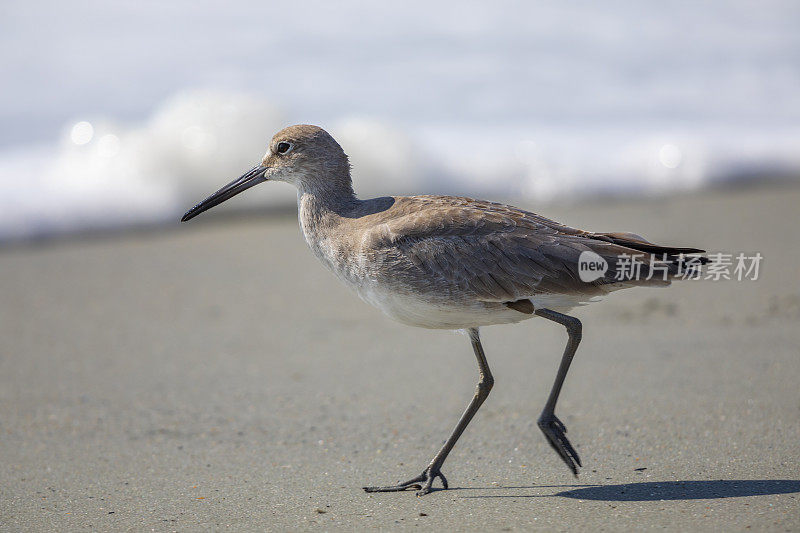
{"x":283,"y":147}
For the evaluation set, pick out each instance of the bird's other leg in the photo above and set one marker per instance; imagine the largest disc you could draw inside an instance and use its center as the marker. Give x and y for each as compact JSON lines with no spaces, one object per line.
{"x":424,"y":482}
{"x":550,"y":425}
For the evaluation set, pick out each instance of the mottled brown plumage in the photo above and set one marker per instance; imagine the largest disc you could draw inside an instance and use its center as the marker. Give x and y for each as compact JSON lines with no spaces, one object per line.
{"x":448,"y":262}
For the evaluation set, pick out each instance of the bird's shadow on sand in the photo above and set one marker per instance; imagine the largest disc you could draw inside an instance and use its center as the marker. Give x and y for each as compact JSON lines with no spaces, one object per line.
{"x":663,"y":490}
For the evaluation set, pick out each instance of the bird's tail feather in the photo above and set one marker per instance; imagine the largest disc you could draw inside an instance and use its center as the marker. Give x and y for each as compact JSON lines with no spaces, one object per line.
{"x":659,"y":264}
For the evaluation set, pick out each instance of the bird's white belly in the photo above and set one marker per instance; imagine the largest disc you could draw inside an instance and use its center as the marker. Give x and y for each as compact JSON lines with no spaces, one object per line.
{"x":434,"y":313}
{"x":431,"y":310}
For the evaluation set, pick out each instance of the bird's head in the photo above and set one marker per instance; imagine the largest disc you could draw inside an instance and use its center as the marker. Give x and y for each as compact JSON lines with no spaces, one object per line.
{"x":303,"y":155}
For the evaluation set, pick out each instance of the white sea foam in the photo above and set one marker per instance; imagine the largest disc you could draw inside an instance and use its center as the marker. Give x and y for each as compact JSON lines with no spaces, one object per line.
{"x":105,"y":174}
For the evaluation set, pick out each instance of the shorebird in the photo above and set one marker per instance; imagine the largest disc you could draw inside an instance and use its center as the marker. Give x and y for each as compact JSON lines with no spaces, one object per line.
{"x":446,"y":262}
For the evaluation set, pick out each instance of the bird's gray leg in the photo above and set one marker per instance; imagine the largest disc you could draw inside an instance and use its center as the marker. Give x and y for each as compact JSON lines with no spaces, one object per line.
{"x":550,"y":425}
{"x":424,"y":481}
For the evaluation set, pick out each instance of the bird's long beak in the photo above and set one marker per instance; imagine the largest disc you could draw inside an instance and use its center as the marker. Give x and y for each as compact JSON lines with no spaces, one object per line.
{"x":254,"y":176}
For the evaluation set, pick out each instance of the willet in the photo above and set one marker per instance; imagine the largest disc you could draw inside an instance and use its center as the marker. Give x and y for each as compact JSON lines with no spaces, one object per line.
{"x":448,"y":262}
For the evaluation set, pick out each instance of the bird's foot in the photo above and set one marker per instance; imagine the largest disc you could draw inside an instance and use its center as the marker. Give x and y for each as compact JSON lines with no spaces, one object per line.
{"x":423,"y":483}
{"x":555,"y":431}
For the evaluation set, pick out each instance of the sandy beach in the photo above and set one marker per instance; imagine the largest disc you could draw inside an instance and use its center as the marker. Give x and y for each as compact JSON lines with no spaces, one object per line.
{"x":215,"y":376}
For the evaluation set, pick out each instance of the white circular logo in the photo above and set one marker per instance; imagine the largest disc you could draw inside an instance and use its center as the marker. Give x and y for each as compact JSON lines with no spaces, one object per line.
{"x":591,"y":266}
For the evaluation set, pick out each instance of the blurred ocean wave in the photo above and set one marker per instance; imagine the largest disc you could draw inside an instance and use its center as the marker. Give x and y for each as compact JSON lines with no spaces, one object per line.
{"x":533,"y":103}
{"x":104,"y":174}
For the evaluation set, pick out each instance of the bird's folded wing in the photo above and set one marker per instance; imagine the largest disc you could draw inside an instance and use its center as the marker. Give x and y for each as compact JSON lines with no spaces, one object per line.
{"x":497,"y":252}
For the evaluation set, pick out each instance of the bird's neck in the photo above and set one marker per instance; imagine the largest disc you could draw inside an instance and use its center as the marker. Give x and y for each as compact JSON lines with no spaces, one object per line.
{"x":320,"y":212}
{"x":326,"y":188}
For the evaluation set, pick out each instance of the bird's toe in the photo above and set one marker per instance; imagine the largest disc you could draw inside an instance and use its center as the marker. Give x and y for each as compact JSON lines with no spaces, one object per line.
{"x":423,"y":483}
{"x":555,"y":432}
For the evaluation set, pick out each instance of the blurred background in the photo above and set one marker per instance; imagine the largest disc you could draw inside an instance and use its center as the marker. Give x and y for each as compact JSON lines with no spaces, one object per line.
{"x":118,"y":114}
{"x":213,"y":375}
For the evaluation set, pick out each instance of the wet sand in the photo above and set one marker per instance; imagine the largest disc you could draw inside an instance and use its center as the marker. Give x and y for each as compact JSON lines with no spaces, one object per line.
{"x":214,"y":376}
